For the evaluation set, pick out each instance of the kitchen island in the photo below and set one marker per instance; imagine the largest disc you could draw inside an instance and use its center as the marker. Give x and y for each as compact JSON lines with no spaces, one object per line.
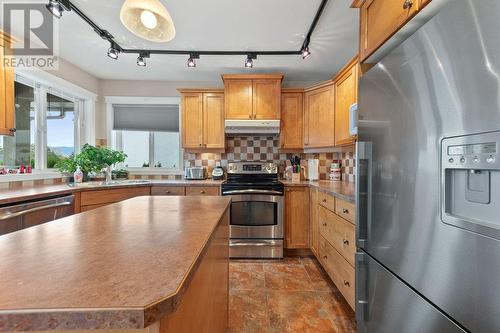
{"x":157,"y":264}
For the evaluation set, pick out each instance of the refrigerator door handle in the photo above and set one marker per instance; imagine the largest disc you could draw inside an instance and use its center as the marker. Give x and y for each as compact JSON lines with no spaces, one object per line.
{"x":361,"y":289}
{"x":363,"y":191}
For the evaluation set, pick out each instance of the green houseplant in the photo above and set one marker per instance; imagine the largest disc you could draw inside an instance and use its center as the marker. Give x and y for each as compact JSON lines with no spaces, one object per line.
{"x":92,"y":159}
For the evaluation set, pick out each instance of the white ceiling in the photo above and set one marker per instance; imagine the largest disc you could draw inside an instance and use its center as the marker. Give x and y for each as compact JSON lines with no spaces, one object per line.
{"x":217,"y":25}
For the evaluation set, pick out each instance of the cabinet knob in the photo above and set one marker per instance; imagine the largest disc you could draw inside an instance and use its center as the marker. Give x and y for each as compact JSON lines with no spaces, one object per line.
{"x":325,"y":257}
{"x":324,"y":200}
{"x":407,"y":4}
{"x":168,"y":192}
{"x":12,"y":130}
{"x":250,"y":116}
{"x":346,"y":283}
{"x":345,"y":210}
{"x":346,"y":242}
{"x":202,"y":192}
{"x":324,"y":224}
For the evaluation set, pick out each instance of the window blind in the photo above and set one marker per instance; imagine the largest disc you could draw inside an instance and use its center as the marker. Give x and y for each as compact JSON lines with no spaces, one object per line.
{"x":154,"y":118}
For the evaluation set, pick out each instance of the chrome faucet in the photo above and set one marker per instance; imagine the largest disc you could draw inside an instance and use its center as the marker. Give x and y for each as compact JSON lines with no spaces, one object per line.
{"x":108,"y":174}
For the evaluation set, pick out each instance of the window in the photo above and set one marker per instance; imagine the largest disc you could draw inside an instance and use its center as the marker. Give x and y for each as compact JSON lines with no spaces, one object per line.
{"x":149,"y":135}
{"x":47,"y":127}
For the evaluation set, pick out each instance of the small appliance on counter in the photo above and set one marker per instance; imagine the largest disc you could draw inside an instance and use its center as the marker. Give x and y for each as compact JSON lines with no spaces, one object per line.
{"x":195,"y":173}
{"x":218,"y":172}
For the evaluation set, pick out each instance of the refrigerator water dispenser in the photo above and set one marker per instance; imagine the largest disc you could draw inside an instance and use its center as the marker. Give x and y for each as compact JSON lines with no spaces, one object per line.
{"x":470,"y":189}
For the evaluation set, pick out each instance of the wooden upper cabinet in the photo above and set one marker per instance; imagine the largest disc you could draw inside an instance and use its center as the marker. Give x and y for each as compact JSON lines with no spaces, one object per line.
{"x":292,"y":120}
{"x":346,"y":94}
{"x":266,"y":99}
{"x":380,"y":19}
{"x":192,"y":120}
{"x":7,"y":119}
{"x":254,"y":96}
{"x":319,"y":125}
{"x":202,"y":119}
{"x":239,"y":99}
{"x":213,"y":120}
{"x":297,"y":217}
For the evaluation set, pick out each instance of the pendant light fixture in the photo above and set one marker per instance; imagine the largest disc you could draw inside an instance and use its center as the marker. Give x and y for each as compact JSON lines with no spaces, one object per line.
{"x":148,"y":19}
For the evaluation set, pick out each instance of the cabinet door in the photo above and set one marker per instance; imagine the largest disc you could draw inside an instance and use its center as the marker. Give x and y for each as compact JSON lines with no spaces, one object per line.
{"x":346,"y":92}
{"x":292,"y":121}
{"x":266,"y":99}
{"x":6,"y":95}
{"x":314,"y":220}
{"x":192,"y":120}
{"x":319,"y":124}
{"x":238,"y":96}
{"x":297,"y":218}
{"x":213,"y":120}
{"x":380,"y":19}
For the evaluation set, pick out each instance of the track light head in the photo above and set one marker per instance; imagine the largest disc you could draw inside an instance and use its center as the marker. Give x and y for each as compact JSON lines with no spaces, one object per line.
{"x":249,"y":60}
{"x":305,"y":52}
{"x":191,"y":63}
{"x":55,"y":8}
{"x":113,"y":51}
{"x":141,"y":61}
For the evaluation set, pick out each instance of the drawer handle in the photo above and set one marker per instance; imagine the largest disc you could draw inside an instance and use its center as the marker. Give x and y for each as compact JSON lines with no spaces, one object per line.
{"x":168,"y":192}
{"x":324,"y":224}
{"x":407,"y":4}
{"x":325,"y":257}
{"x":346,"y":242}
{"x":12,"y":130}
{"x":202,"y":192}
{"x":324,"y":200}
{"x":345,"y":210}
{"x":346,"y":283}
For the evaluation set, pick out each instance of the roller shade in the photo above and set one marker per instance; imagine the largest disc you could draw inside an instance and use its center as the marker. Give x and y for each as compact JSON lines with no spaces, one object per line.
{"x":154,"y":118}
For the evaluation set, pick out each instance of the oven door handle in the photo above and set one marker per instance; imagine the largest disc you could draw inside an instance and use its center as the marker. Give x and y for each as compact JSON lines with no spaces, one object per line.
{"x":251,"y":192}
{"x":259,"y":244}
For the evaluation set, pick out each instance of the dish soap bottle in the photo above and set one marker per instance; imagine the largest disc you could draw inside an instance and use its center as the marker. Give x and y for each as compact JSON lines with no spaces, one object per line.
{"x":78,"y":176}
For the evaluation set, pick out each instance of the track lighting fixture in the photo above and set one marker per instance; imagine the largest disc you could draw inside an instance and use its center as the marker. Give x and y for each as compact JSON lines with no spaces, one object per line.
{"x":141,"y":61}
{"x":249,"y":60}
{"x":57,"y":7}
{"x":305,"y":52}
{"x":113,"y":51}
{"x":191,"y":63}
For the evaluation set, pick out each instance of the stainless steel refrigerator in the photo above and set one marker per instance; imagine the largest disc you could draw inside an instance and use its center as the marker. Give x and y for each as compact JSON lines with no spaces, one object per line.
{"x":428,"y":186}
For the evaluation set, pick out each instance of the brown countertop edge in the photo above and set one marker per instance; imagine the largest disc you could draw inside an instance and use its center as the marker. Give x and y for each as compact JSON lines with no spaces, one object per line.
{"x":10,"y":196}
{"x":341,"y":189}
{"x":106,"y":318}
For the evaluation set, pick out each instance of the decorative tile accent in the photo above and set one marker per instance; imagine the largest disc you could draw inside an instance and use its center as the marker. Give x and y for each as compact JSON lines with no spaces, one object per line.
{"x":266,"y":149}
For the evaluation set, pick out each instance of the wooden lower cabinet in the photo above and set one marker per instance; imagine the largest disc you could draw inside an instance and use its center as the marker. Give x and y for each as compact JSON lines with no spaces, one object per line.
{"x":345,"y":209}
{"x":314,"y":220}
{"x":168,"y":190}
{"x":97,"y":198}
{"x":202,"y":190}
{"x":338,"y":232}
{"x":297,"y":217}
{"x":339,"y":270}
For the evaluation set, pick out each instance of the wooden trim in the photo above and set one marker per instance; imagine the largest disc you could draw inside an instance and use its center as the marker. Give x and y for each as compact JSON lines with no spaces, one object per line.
{"x":298,"y":253}
{"x":319,"y":85}
{"x":292,"y":90}
{"x":276,"y":76}
{"x":205,"y":150}
{"x":200,"y":90}
{"x":353,"y":62}
{"x":357,"y":3}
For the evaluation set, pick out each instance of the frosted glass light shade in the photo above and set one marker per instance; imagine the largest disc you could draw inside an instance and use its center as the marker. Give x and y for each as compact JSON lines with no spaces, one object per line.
{"x":161,"y":30}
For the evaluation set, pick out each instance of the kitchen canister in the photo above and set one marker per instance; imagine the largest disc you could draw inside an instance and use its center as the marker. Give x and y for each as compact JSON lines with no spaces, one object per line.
{"x":336,"y":171}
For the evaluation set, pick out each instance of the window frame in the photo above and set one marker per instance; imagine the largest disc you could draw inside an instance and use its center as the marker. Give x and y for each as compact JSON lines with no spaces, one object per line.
{"x":115,"y":137}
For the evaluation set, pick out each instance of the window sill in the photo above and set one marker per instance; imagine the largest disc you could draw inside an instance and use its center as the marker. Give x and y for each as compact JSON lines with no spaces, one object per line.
{"x":36,"y":175}
{"x":151,"y":171}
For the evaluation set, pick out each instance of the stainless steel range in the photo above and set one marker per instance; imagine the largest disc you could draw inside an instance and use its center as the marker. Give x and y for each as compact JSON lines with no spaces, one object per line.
{"x":256,"y":227}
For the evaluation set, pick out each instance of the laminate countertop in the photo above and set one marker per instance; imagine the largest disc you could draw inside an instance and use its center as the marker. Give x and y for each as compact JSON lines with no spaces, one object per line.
{"x":14,"y":195}
{"x":340,"y":189}
{"x":123,"y":266}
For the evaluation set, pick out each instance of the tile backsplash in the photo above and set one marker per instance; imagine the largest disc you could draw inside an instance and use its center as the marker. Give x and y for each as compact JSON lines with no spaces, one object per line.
{"x":259,"y":148}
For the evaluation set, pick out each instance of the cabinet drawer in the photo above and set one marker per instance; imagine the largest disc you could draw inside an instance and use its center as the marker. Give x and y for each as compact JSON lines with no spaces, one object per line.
{"x":91,"y":207}
{"x":339,"y":270}
{"x":168,"y":190}
{"x":326,"y":200}
{"x":346,"y":210}
{"x":339,"y":233}
{"x":202,"y":190}
{"x":113,"y":195}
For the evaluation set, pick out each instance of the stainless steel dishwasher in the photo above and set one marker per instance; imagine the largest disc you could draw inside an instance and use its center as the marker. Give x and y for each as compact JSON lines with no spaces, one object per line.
{"x":28,"y":214}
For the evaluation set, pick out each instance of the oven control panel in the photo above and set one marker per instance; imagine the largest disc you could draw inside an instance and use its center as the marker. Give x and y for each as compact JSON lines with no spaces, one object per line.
{"x":252,"y":168}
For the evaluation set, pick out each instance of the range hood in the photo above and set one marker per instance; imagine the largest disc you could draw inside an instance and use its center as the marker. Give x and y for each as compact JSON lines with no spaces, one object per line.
{"x":253,"y":127}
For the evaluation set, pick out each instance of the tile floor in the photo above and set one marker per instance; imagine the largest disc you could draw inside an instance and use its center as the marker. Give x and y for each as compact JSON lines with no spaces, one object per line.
{"x":293,"y":295}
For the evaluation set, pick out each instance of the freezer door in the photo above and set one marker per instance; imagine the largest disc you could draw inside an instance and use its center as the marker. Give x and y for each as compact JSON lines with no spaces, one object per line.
{"x":386,"y":305}
{"x":439,"y":86}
